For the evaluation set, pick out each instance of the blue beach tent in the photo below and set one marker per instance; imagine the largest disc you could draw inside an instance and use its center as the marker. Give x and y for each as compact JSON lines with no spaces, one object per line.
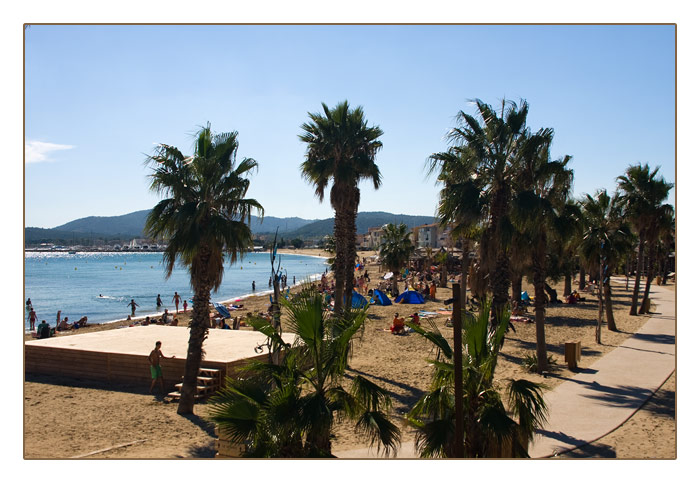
{"x":358,"y":301}
{"x":410,"y":297}
{"x":380,"y":298}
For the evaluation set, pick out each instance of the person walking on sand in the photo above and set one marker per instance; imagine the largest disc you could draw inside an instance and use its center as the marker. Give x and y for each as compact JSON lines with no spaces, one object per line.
{"x":156,"y":371}
{"x":184,"y":305}
{"x":32,"y":319}
{"x":159,"y":302}
{"x":133,"y":306}
{"x":176,"y":299}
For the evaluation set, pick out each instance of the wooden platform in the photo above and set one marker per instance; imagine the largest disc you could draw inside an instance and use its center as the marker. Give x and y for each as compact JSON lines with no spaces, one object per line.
{"x":121,"y":355}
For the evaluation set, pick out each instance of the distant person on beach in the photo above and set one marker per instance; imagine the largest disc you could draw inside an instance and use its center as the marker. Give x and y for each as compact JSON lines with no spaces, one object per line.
{"x":43,"y":331}
{"x":32,"y":319}
{"x":164,"y":318}
{"x":147,"y":321}
{"x":156,"y":371}
{"x":133,"y":306}
{"x":63,"y":325}
{"x":253,"y":285}
{"x":159,"y":302}
{"x":29,"y":304}
{"x":58,"y":318}
{"x":397,"y":327}
{"x":184,"y":305}
{"x":174,"y":323}
{"x":176,"y":299}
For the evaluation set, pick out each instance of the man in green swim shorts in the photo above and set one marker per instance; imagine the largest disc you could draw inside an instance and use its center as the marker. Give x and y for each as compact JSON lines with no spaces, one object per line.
{"x":156,"y":371}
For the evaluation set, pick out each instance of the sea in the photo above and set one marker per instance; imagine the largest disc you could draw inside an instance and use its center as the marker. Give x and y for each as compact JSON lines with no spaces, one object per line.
{"x":99,"y":285}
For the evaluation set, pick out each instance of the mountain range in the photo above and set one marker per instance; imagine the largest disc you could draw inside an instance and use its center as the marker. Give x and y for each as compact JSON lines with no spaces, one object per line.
{"x":131,"y":225}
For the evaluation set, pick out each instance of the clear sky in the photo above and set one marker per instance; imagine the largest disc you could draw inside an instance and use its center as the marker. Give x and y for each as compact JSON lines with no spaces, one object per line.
{"x":98,"y":99}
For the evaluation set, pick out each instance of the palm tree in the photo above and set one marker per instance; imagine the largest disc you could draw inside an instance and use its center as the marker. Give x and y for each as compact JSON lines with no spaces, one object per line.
{"x":490,"y":430}
{"x":341,"y":146}
{"x":662,"y":226}
{"x":643,"y":194}
{"x":487,"y":149}
{"x":541,"y":210}
{"x":288,"y":410}
{"x":606,"y":236}
{"x":396,"y":249}
{"x":203,"y":218}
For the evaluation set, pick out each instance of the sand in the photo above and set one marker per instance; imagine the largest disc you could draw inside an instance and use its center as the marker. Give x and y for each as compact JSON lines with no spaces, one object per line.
{"x":86,"y":417}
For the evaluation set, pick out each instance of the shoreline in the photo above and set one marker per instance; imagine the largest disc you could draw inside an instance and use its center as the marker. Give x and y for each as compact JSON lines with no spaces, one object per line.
{"x":228,"y":299}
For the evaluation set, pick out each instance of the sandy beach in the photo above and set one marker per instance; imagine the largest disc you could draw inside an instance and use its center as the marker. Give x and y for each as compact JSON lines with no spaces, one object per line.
{"x":65,"y":418}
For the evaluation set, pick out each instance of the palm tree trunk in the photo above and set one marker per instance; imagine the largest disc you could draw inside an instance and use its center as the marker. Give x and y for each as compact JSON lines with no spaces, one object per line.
{"x":340,"y":263}
{"x":499,"y":269}
{"x":567,"y":284}
{"x":651,"y":273}
{"x":637,"y":276}
{"x":582,"y":278}
{"x":517,"y":286}
{"x":539,"y":282}
{"x":349,"y":232}
{"x":609,"y":316}
{"x":198,"y":331}
{"x":465,"y":274}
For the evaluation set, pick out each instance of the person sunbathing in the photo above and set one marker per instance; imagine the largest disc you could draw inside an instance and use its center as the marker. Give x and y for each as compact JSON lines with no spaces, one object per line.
{"x":63,"y":325}
{"x":397,"y":327}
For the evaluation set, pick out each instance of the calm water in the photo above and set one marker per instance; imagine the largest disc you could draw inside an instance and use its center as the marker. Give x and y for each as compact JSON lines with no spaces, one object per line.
{"x":74,"y":283}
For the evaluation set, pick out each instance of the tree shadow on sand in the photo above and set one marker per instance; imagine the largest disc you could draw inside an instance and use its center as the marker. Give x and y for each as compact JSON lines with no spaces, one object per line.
{"x":405,"y":401}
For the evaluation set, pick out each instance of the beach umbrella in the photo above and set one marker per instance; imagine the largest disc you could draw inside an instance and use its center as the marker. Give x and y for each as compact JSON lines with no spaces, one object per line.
{"x":222,"y":310}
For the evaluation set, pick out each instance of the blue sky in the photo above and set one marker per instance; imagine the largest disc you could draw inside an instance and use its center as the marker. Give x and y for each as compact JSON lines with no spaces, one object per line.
{"x":98,"y":98}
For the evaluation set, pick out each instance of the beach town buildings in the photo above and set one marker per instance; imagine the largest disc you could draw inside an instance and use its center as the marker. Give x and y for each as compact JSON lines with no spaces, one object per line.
{"x":431,"y":236}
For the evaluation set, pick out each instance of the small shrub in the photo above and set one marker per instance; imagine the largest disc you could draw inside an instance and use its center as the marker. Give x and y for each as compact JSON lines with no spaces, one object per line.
{"x":530,"y":362}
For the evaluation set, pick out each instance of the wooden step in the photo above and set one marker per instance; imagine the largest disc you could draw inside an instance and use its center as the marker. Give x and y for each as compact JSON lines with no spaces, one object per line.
{"x":204,"y":370}
{"x":176,"y":395}
{"x":199,"y":388}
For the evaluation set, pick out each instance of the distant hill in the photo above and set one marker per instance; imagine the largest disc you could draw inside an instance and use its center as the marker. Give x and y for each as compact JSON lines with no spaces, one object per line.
{"x":125,"y":227}
{"x":365,"y":220}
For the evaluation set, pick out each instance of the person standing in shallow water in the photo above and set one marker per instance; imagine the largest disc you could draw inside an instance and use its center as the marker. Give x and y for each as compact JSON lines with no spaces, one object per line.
{"x":133,"y":306}
{"x":176,"y":299}
{"x":159,"y":302}
{"x":253,"y":285}
{"x":32,"y":319}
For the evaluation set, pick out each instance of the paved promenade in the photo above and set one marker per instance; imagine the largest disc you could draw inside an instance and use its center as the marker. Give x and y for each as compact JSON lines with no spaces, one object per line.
{"x":598,"y":399}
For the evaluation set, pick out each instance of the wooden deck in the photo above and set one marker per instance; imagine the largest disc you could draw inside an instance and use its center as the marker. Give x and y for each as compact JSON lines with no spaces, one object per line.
{"x":121,"y":355}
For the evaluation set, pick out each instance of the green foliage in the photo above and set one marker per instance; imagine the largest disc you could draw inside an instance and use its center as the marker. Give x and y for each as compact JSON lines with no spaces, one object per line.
{"x":297,"y":243}
{"x":205,"y":209}
{"x":396,"y":247}
{"x":489,"y":429}
{"x":288,"y":410}
{"x":530,"y":362}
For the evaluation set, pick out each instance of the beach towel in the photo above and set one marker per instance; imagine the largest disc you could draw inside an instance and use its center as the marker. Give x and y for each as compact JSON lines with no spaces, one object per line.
{"x":410,"y":297}
{"x":380,"y":298}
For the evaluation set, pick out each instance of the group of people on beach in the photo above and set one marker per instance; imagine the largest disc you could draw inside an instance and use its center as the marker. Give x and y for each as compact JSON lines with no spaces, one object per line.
{"x":43,"y":330}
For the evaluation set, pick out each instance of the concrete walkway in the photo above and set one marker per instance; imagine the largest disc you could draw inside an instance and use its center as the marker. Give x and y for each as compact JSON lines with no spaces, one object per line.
{"x":598,"y":399}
